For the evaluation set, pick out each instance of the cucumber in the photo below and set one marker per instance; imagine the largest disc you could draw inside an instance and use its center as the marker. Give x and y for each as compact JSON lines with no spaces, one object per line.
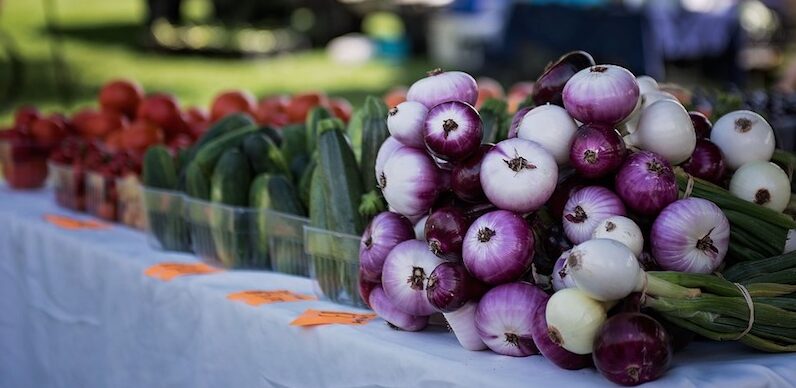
{"x":231,"y":179}
{"x":272,"y":134}
{"x":354,"y":132}
{"x":207,"y":156}
{"x":229,"y":226}
{"x":298,"y":166}
{"x":494,"y":119}
{"x":305,"y":183}
{"x":159,"y":169}
{"x":341,"y":177}
{"x":275,"y":192}
{"x":227,"y":124}
{"x":294,"y":143}
{"x":264,"y":155}
{"x":374,"y":132}
{"x":317,"y":200}
{"x":312,"y":128}
{"x":197,"y":184}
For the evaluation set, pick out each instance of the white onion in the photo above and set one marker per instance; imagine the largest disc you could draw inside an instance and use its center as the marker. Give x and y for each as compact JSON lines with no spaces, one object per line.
{"x":763,"y":183}
{"x":406,"y":121}
{"x":604,"y":269}
{"x":552,"y":127}
{"x":666,"y":129}
{"x":621,"y":229}
{"x":441,"y":86}
{"x":743,"y":136}
{"x":655,"y":96}
{"x":646,"y":84}
{"x":574,"y":320}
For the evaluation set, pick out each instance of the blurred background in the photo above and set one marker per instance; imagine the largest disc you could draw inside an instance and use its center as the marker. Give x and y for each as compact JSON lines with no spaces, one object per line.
{"x":56,"y":54}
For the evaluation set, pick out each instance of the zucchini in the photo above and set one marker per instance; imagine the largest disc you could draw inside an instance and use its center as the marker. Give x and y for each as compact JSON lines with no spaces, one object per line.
{"x":354,"y":132}
{"x":317,"y":200}
{"x":272,"y":134}
{"x":197,"y":184}
{"x":494,"y":119}
{"x":294,"y":144}
{"x":374,"y":132}
{"x":207,"y":156}
{"x":312,"y":127}
{"x":230,"y":226}
{"x":264,"y":155}
{"x":231,"y":179}
{"x":305,"y":182}
{"x":299,"y":166}
{"x":227,"y":124}
{"x":159,"y":169}
{"x":277,"y":193}
{"x":341,"y":177}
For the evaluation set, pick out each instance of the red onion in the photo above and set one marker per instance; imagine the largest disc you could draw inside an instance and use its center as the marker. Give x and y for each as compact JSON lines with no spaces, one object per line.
{"x":498,"y":247}
{"x":597,"y":151}
{"x":466,"y":176}
{"x":365,"y":287}
{"x":406,"y":121}
{"x":518,"y":175}
{"x":445,"y":229}
{"x":586,"y":209}
{"x":420,"y":228}
{"x":504,"y":318}
{"x":602,"y":94}
{"x":549,"y":85}
{"x":646,"y":183}
{"x":706,"y":162}
{"x":405,"y":275}
{"x":384,"y":307}
{"x":386,"y":150}
{"x":701,"y":123}
{"x":516,"y":120}
{"x":545,"y":341}
{"x":690,"y":235}
{"x":442,"y":86}
{"x":384,"y":232}
{"x":559,"y":277}
{"x":453,"y":130}
{"x":410,"y":181}
{"x":551,"y":127}
{"x":632,"y":349}
{"x":450,"y":286}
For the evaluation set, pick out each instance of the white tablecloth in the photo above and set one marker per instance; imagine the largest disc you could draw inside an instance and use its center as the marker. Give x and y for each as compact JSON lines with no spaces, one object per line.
{"x":76,"y":310}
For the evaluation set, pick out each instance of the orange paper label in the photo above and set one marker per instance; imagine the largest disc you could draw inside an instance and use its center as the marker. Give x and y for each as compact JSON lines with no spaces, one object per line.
{"x":168,"y":271}
{"x":258,"y":297}
{"x":73,"y":223}
{"x":316,"y":317}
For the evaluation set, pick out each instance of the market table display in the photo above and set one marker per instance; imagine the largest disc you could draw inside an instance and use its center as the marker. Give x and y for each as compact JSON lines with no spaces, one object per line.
{"x":79,"y":311}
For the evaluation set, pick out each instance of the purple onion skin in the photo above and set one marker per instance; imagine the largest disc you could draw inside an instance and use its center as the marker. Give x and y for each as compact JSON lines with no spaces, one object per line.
{"x":445,"y":230}
{"x":365,"y":288}
{"x":514,"y":128}
{"x":597,"y":151}
{"x":551,"y":350}
{"x":702,"y":124}
{"x":602,"y":94}
{"x":586,"y":208}
{"x":504,"y":318}
{"x":498,"y":247}
{"x":384,"y":232}
{"x":450,"y":286}
{"x":706,"y":162}
{"x":382,"y":305}
{"x":646,"y":183}
{"x":632,"y":349}
{"x":549,"y":86}
{"x":453,"y":130}
{"x":442,"y":86}
{"x":466,"y":176}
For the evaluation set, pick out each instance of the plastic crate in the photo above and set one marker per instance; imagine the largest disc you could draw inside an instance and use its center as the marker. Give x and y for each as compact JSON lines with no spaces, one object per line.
{"x":101,"y":196}
{"x":24,"y":163}
{"x":334,"y":265}
{"x":166,"y":228}
{"x":285,"y":237}
{"x":227,"y":236}
{"x":130,"y":205}
{"x":69,"y":186}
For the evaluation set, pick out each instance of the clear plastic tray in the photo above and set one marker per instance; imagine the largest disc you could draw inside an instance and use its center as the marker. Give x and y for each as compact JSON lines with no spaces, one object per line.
{"x":130,"y":205}
{"x":163,"y":216}
{"x":334,"y":265}
{"x":24,"y":164}
{"x":285,"y":237}
{"x":227,"y":236}
{"x":69,"y":186}
{"x":101,"y":196}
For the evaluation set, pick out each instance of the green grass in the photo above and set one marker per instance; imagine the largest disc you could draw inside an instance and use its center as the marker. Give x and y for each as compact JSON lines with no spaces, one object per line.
{"x":103,"y":40}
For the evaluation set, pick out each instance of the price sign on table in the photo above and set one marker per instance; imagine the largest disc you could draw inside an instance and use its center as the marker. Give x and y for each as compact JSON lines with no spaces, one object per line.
{"x":169,"y":271}
{"x":70,"y":223}
{"x":318,"y":317}
{"x":259,"y":297}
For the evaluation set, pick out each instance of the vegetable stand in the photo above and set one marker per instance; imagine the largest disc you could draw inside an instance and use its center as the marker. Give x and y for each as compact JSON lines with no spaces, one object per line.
{"x":78,"y":311}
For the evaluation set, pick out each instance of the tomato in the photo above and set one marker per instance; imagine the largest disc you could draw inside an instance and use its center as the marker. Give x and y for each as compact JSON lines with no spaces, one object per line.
{"x":49,"y":131}
{"x":231,"y":102}
{"x":121,"y":96}
{"x":301,"y":104}
{"x":197,"y":121}
{"x":395,"y":96}
{"x":24,"y":118}
{"x":518,"y":93}
{"x":488,"y":88}
{"x":162,"y":111}
{"x":272,"y":111}
{"x":113,"y":142}
{"x":140,"y":135}
{"x":341,"y":108}
{"x":95,"y":125}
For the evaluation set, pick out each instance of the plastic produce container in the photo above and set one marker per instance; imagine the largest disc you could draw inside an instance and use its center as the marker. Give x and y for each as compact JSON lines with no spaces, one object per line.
{"x":69,"y":186}
{"x":334,"y":265}
{"x":24,"y":163}
{"x":101,"y":196}
{"x":130,"y":206}
{"x":285,"y":237}
{"x":227,"y":236}
{"x":163,"y":215}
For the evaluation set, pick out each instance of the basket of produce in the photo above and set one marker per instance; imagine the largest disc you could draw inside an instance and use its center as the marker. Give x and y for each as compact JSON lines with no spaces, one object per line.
{"x":68,"y":185}
{"x":285,"y":235}
{"x":165,"y":225}
{"x":24,"y":161}
{"x":130,"y":206}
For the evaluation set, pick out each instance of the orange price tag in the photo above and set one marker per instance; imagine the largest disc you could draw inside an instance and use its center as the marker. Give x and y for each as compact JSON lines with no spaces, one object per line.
{"x":317,"y":317}
{"x":70,"y":223}
{"x":258,"y":297}
{"x":168,"y":271}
